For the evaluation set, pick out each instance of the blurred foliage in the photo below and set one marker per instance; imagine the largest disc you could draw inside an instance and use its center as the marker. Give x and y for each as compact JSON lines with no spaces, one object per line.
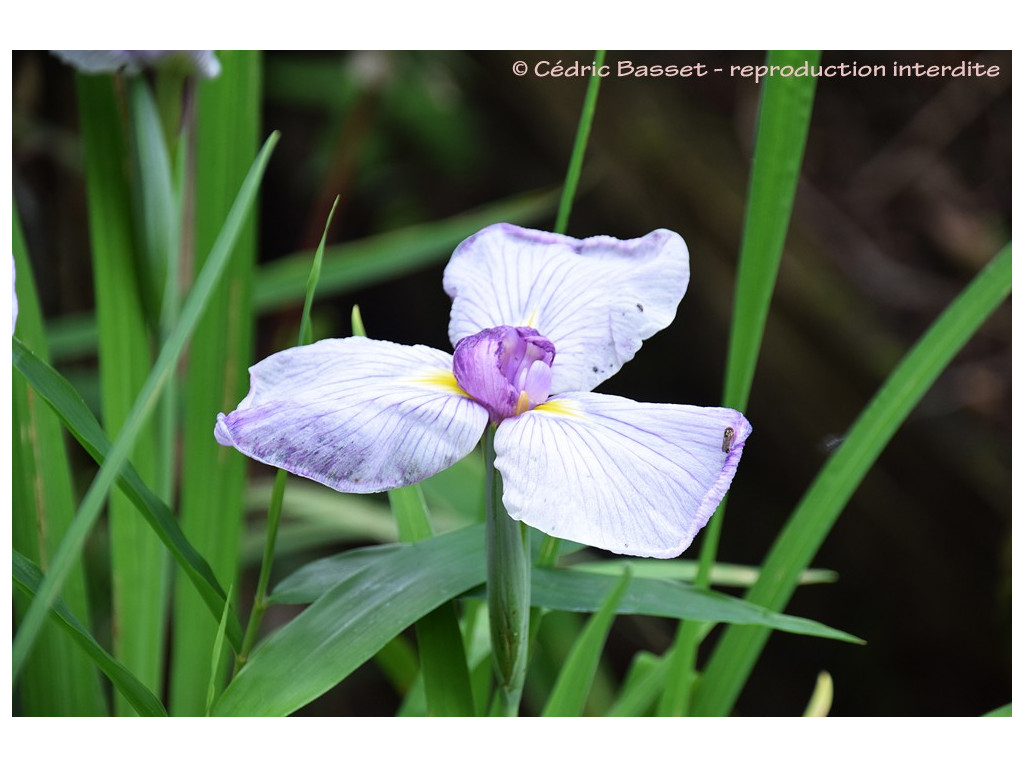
{"x":905,"y":194}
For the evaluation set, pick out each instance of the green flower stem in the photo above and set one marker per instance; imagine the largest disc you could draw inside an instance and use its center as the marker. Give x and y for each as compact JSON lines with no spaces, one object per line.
{"x":508,"y":591}
{"x":259,"y":603}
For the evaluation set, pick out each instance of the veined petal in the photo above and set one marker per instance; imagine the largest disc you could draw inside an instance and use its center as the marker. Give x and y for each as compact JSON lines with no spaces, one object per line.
{"x":595,"y":299}
{"x":632,"y":478}
{"x":358,"y":415}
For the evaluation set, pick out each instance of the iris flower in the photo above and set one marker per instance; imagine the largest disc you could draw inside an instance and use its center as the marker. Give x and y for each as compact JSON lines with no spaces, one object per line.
{"x":538,"y":320}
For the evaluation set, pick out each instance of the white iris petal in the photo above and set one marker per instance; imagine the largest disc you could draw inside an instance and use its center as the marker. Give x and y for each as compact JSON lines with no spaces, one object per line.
{"x":633,"y":478}
{"x":355,"y":414}
{"x":595,"y":299}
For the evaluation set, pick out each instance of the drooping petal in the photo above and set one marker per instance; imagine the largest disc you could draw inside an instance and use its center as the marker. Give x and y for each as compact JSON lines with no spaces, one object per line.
{"x":632,"y":478}
{"x":356,"y":414}
{"x":595,"y":299}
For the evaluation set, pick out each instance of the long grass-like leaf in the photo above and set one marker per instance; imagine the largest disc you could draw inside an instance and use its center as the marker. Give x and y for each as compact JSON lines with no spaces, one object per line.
{"x":347,"y":266}
{"x":259,"y":603}
{"x":68,"y":405}
{"x":735,"y":655}
{"x":226,"y":138}
{"x":157,"y":214}
{"x":442,"y":656}
{"x":313,"y":580}
{"x":217,"y":656}
{"x":410,"y":511}
{"x":1004,"y":711}
{"x":783,"y":121}
{"x":722,"y":575}
{"x":782,"y":125}
{"x":313,"y":519}
{"x":821,"y":698}
{"x":157,"y":206}
{"x":88,"y":511}
{"x":158,"y":217}
{"x":446,"y":681}
{"x":139,"y":581}
{"x":374,"y":259}
{"x":306,"y":323}
{"x":58,"y":680}
{"x":560,"y":590}
{"x":579,"y":147}
{"x":351,"y":622}
{"x":644,"y":681}
{"x":27,"y":577}
{"x":574,"y":681}
{"x":584,"y":592}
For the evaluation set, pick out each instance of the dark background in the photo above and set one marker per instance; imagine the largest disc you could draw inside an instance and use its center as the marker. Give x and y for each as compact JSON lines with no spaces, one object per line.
{"x":905,"y":195}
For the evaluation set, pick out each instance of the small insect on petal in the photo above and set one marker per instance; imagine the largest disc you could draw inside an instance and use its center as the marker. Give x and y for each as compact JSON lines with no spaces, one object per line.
{"x":727,"y":439}
{"x":661,"y":472}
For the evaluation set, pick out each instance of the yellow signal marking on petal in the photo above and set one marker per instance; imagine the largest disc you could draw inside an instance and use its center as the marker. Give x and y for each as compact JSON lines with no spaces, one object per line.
{"x":523,"y":404}
{"x":443,"y":380}
{"x":532,"y":321}
{"x":560,"y":408}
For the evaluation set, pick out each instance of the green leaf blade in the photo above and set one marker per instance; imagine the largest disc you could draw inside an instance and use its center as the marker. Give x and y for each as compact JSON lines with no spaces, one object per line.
{"x":374,"y":259}
{"x":562,"y":590}
{"x":88,"y":511}
{"x":574,"y":681}
{"x":351,"y":622}
{"x":138,"y":568}
{"x":821,"y":505}
{"x":583,"y":593}
{"x":57,"y":680}
{"x":348,"y":266}
{"x":1004,"y":711}
{"x":783,"y":121}
{"x":27,"y":577}
{"x":446,"y":681}
{"x":226,"y":139}
{"x":69,"y":407}
{"x":579,"y":147}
